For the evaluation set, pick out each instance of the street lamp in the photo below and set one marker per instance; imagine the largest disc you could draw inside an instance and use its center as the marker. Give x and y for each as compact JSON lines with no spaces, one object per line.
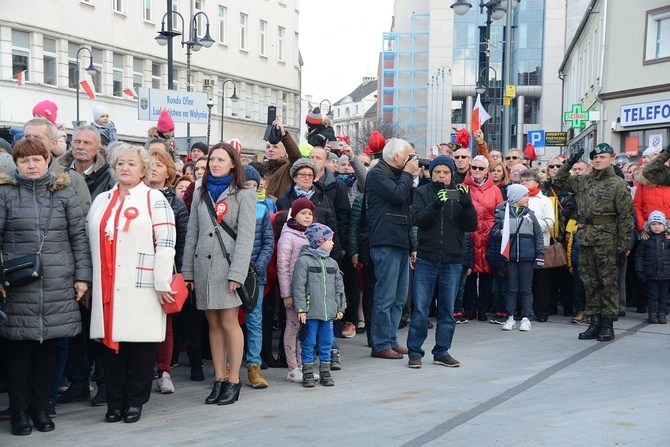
{"x":165,"y":36}
{"x":482,"y":88}
{"x":330,"y":110}
{"x":233,"y":98}
{"x":91,"y":70}
{"x":210,"y":104}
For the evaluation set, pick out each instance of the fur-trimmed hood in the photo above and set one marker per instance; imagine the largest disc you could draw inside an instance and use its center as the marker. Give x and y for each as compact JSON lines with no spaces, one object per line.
{"x":67,"y":158}
{"x":56,"y":182}
{"x":647,"y":228}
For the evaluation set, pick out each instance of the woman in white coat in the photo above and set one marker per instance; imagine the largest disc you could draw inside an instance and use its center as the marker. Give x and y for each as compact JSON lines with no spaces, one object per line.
{"x":131,"y":231}
{"x":544,"y":302}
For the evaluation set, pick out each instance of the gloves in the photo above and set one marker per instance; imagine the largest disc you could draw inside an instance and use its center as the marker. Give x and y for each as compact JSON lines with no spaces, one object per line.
{"x":620,"y":258}
{"x":464,"y":197}
{"x":641,"y":278}
{"x":539,"y":262}
{"x":574,"y":158}
{"x":442,"y":196}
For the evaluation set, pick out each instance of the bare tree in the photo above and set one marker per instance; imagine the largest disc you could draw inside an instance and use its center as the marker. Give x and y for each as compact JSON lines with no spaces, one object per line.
{"x":388,"y":130}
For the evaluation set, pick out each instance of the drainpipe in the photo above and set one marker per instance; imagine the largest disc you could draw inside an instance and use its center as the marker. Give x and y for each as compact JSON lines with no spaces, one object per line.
{"x":601,"y":122}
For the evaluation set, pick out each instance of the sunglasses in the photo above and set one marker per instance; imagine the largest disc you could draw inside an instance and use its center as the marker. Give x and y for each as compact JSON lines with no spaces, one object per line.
{"x":512,"y":157}
{"x":460,"y":157}
{"x":478,"y":168}
{"x":554,"y":166}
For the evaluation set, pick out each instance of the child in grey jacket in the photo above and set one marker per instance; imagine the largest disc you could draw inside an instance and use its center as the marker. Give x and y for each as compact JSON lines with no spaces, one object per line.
{"x":318,"y":295}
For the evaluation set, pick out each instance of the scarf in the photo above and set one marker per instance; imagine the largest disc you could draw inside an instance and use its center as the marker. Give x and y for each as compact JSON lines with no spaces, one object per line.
{"x":348,"y":179}
{"x":300,"y":193}
{"x":534,"y":191}
{"x":216,"y":185}
{"x":294,"y":225}
{"x":260,"y":195}
{"x":318,"y":252}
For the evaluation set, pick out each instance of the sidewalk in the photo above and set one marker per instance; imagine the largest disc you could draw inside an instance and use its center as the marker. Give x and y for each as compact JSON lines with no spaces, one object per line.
{"x":541,"y":388}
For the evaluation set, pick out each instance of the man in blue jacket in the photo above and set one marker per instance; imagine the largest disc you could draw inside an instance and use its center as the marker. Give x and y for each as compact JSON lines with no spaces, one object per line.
{"x":388,"y":193}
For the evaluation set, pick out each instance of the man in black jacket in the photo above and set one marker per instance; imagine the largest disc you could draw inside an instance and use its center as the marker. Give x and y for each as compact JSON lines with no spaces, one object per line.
{"x":442,"y":216}
{"x":389,"y":186}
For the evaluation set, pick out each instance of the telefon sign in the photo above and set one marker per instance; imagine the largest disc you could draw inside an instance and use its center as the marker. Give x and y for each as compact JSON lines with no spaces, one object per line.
{"x":646,"y":113}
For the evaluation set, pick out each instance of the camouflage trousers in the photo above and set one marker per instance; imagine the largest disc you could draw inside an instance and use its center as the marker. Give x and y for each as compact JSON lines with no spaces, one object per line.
{"x":599,"y":272}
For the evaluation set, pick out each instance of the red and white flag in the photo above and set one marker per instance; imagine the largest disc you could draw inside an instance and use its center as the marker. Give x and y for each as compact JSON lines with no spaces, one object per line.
{"x":130,"y":92}
{"x":21,"y":78}
{"x":88,"y":88}
{"x":479,"y":115}
{"x":505,"y":243}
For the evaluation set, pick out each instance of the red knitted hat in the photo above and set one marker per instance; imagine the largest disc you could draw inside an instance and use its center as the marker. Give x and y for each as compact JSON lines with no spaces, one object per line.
{"x":300,"y":204}
{"x":47,"y":109}
{"x":376,"y":142}
{"x":165,"y":123}
{"x":314,"y":117}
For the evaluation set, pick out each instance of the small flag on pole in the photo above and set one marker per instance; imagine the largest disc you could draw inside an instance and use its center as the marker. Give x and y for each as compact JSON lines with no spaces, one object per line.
{"x":130,"y":92}
{"x":505,"y":243}
{"x":21,"y":78}
{"x":88,"y":88}
{"x":479,"y":115}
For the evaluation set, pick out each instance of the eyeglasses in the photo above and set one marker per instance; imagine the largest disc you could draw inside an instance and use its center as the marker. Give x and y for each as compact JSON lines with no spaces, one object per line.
{"x":460,"y":157}
{"x":554,"y":166}
{"x":367,"y":165}
{"x":478,"y":168}
{"x":304,"y":175}
{"x":512,"y":157}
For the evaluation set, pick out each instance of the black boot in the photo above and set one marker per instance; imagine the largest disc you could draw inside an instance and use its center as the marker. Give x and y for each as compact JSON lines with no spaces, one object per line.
{"x":308,"y":375}
{"x":230,"y":393}
{"x":197,"y":374}
{"x":324,"y":374}
{"x":42,"y":420}
{"x":216,"y":392}
{"x":591,"y":333}
{"x":607,"y":330}
{"x":20,"y":423}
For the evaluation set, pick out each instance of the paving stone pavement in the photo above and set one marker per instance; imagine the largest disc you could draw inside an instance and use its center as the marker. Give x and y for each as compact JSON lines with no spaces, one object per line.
{"x":540,"y":388}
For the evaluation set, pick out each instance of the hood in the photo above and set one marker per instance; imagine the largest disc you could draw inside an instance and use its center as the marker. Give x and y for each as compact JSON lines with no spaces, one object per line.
{"x":67,"y":158}
{"x":488,"y":183}
{"x":55,"y":182}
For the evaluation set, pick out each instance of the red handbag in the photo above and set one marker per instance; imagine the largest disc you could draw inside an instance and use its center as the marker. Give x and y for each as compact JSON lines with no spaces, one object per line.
{"x":178,"y":285}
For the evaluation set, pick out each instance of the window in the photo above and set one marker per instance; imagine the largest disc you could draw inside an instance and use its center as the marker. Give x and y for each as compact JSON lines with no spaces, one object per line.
{"x":262,"y":29}
{"x":296,"y":50}
{"x":657,"y":42}
{"x":247,"y":101}
{"x":262,"y":113}
{"x":148,"y":10}
{"x":175,"y":79}
{"x":119,"y":6}
{"x":155,"y":75}
{"x":20,"y":52}
{"x":72,"y":64}
{"x":138,"y":74}
{"x":50,"y":61}
{"x":88,"y":2}
{"x":281,"y":32}
{"x":176,"y":20}
{"x":117,"y":86}
{"x":243,"y":31}
{"x":201,"y":24}
{"x":223,"y":28}
{"x":284,"y":107}
{"x":97,"y":63}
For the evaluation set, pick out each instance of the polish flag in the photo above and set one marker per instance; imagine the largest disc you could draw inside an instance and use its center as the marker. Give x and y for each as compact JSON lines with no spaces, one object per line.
{"x":479,"y":116}
{"x":130,"y":92}
{"x":21,"y":78}
{"x":88,"y":88}
{"x":505,"y":243}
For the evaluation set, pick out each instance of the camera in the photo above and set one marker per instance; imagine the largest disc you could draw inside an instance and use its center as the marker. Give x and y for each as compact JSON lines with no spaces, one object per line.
{"x":423,"y":162}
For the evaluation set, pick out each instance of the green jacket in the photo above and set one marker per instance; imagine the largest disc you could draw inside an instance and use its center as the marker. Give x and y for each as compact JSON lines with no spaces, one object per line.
{"x":656,"y":171}
{"x":599,"y":195}
{"x":318,"y":289}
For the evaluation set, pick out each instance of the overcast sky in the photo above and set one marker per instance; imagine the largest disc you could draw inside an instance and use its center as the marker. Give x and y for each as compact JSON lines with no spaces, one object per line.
{"x":340,"y":41}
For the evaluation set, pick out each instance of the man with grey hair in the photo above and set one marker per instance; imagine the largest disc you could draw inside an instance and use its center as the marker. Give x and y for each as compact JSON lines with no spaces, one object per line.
{"x":387,"y":201}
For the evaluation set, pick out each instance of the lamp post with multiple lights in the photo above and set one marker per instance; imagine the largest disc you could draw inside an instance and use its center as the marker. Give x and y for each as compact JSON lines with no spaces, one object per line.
{"x":91,"y":70}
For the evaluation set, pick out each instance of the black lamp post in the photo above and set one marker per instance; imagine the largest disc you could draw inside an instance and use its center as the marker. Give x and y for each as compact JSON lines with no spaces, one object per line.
{"x":330,"y":111}
{"x":482,"y":88}
{"x":210,"y":104}
{"x":91,"y":70}
{"x":233,"y":98}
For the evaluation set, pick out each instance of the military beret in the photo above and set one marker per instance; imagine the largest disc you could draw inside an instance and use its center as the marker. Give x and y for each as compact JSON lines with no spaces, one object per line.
{"x":602,"y":148}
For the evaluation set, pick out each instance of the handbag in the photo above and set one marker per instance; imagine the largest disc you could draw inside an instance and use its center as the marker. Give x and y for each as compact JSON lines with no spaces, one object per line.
{"x":247,"y":292}
{"x":555,"y":255}
{"x":178,"y":285}
{"x":26,"y":269}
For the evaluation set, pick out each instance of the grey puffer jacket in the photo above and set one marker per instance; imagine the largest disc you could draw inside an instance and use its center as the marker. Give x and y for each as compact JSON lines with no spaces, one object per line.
{"x":318,"y":289}
{"x":45,"y":309}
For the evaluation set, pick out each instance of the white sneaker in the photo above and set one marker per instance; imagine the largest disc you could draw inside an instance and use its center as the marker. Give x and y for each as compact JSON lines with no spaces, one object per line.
{"x":164,"y":384}
{"x":295,"y":376}
{"x":525,"y":324}
{"x":510,"y":324}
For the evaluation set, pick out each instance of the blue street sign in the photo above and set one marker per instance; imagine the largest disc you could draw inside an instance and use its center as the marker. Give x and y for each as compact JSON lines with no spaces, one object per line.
{"x":536,"y":138}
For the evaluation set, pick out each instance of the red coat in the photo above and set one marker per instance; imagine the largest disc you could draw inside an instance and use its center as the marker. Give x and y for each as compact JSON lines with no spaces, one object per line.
{"x":485,"y":198}
{"x":648,"y":199}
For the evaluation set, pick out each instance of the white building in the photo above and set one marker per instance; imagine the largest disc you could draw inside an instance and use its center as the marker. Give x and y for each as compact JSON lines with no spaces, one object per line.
{"x":256,"y":46}
{"x":616,"y":70}
{"x":358,"y":106}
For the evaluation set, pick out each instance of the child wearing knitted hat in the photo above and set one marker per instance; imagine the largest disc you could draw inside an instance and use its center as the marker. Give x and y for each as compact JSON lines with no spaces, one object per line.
{"x":652,"y":265}
{"x":318,"y":294}
{"x":105,"y":126}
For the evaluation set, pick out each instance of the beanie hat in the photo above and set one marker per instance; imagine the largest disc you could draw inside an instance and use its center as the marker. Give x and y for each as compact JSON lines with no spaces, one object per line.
{"x":622,"y":158}
{"x":4,"y":144}
{"x":314,"y":117}
{"x":515,"y":192}
{"x":602,"y":148}
{"x":303,"y":163}
{"x":341,"y":160}
{"x":442,"y":160}
{"x":165,"y":123}
{"x":201,"y":146}
{"x":332,"y":156}
{"x":482,"y":159}
{"x":6,"y":163}
{"x":237,"y":145}
{"x":250,"y":173}
{"x":98,"y":111}
{"x":657,"y":216}
{"x":317,"y":234}
{"x":301,"y":204}
{"x":47,"y":109}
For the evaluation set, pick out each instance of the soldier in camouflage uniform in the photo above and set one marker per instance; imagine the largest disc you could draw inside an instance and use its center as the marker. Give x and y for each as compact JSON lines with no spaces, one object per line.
{"x":605,"y":227}
{"x":656,"y":171}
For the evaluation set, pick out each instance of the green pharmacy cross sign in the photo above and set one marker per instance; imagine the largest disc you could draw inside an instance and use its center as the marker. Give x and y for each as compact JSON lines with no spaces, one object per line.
{"x":576,"y":117}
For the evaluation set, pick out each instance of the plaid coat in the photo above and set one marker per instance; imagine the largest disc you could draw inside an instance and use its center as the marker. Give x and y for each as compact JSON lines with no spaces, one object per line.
{"x":145,"y":256}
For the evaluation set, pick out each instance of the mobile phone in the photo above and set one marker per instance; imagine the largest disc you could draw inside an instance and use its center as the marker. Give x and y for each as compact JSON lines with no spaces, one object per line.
{"x":272,"y":114}
{"x":453,"y":194}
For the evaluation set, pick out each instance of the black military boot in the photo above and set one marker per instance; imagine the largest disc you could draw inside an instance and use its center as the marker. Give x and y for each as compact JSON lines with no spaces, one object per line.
{"x":591,"y":333}
{"x":607,"y":330}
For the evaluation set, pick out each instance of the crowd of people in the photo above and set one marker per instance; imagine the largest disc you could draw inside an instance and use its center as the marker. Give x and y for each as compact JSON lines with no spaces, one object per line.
{"x":343,"y":243}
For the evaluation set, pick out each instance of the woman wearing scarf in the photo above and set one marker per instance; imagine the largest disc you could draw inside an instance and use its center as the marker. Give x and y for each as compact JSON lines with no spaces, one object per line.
{"x":352,"y":172}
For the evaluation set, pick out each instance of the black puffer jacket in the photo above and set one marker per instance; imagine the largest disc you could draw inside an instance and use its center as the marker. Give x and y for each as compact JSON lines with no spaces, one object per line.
{"x":45,"y":309}
{"x":652,"y":257}
{"x":181,"y":222}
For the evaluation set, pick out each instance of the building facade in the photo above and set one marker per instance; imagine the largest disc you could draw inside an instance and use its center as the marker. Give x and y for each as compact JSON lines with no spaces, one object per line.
{"x":255,"y":45}
{"x":350,"y":112}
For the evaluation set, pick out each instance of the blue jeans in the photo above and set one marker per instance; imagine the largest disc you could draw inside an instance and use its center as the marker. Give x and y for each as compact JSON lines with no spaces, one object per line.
{"x":392,"y":272}
{"x":254,"y":323}
{"x":458,"y":304}
{"x":520,"y":282}
{"x":500,"y":284}
{"x":426,"y":275}
{"x":657,"y":296}
{"x":321,"y":332}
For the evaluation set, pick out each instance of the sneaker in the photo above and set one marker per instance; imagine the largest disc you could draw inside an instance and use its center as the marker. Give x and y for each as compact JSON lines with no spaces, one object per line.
{"x":525,"y":324}
{"x":482,"y":317}
{"x":295,"y":376}
{"x":578,"y":317}
{"x":499,"y":318}
{"x":447,"y":360}
{"x":349,"y":330}
{"x":255,"y":377}
{"x":63,"y":385}
{"x":164,"y":384}
{"x":510,"y":324}
{"x":414,"y":361}
{"x":460,"y":318}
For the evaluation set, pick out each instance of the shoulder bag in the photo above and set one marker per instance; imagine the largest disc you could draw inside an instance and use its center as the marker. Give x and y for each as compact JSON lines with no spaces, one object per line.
{"x":554,"y":255}
{"x":27,"y":269}
{"x":248,"y":292}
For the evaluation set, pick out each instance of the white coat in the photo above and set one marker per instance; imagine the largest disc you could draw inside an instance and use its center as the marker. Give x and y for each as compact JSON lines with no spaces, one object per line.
{"x":544,"y":212}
